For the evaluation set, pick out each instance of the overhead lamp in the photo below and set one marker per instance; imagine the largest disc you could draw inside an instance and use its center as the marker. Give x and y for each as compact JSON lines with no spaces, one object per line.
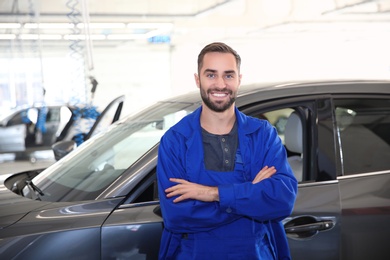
{"x":71,"y":25}
{"x":10,"y":25}
{"x":40,"y":36}
{"x":150,"y":25}
{"x":103,"y":25}
{"x":48,"y":25}
{"x":125,"y":36}
{"x":7,"y":36}
{"x":83,"y":37}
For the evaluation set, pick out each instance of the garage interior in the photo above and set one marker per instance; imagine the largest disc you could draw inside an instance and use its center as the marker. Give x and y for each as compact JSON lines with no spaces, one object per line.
{"x":136,"y":47}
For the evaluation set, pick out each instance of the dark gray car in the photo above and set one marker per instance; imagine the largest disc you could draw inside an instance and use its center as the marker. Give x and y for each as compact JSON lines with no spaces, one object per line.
{"x":100,"y":201}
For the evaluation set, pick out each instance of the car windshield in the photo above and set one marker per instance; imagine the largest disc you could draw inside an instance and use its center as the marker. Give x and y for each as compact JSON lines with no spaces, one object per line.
{"x":92,"y":167}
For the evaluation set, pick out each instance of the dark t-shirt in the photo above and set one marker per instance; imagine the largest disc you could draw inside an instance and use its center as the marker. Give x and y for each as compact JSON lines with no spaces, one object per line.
{"x":220,"y":150}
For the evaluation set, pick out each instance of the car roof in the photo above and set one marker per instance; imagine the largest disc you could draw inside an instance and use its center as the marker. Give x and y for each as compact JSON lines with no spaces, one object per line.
{"x":321,"y":87}
{"x":299,"y":88}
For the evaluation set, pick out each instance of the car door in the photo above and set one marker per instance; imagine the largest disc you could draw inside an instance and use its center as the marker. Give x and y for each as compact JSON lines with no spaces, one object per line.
{"x":133,"y":230}
{"x":52,"y":123}
{"x":363,"y":127}
{"x":110,"y":115}
{"x":42,"y":127}
{"x":13,"y":132}
{"x":305,"y":126}
{"x":12,"y":138}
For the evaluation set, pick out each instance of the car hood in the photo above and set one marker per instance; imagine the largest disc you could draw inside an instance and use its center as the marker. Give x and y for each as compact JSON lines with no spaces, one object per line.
{"x":13,"y":207}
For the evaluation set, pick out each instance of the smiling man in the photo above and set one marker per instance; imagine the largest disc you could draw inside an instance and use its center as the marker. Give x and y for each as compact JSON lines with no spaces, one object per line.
{"x":224,"y":180}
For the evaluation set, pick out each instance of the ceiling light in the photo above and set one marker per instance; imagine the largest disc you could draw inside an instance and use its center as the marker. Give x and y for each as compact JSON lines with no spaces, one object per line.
{"x":71,"y":25}
{"x":150,"y":25}
{"x":103,"y":25}
{"x":28,"y":37}
{"x":50,"y":36}
{"x":125,"y":36}
{"x":10,"y":25}
{"x":49,"y":25}
{"x":7,"y":36}
{"x":40,"y":36}
{"x":83,"y":37}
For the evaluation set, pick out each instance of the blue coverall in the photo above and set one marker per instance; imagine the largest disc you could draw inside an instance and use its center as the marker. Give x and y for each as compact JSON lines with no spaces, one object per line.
{"x":246,"y":222}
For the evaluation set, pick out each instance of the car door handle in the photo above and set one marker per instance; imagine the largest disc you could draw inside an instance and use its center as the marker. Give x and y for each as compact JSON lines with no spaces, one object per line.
{"x":308,"y":226}
{"x":319,"y":226}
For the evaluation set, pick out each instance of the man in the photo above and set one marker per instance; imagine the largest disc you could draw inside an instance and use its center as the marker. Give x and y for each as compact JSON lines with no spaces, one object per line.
{"x":224,"y":180}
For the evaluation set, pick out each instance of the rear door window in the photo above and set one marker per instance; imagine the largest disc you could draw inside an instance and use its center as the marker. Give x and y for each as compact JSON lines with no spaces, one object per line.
{"x":363,"y":128}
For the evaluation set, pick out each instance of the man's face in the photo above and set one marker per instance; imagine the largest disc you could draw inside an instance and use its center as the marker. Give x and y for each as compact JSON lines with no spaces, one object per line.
{"x":218,"y":81}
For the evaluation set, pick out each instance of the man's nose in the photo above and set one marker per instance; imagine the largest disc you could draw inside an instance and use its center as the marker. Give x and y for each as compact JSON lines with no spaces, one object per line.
{"x":221,"y":82}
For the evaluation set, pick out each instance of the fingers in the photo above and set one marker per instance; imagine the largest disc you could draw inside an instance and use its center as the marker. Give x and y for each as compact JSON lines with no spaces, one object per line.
{"x":176,"y":189}
{"x":264,"y":173}
{"x":178,"y":180}
{"x":187,"y":190}
{"x":183,"y":190}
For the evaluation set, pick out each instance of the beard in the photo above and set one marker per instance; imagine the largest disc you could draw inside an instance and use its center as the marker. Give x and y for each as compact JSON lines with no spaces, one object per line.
{"x":218,"y":106}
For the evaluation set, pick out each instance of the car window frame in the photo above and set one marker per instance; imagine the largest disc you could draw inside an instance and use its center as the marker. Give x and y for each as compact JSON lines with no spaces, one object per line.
{"x":309,"y":127}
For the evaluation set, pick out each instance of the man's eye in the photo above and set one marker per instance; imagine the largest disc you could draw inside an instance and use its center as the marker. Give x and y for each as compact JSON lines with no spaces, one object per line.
{"x":210,"y":75}
{"x":229,"y":76}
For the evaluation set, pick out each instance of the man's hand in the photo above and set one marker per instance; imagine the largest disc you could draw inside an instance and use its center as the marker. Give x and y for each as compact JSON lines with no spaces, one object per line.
{"x":188,"y":190}
{"x":264,"y":173}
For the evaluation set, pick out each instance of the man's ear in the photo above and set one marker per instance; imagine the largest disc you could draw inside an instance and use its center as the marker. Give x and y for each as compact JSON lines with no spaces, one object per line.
{"x":196,"y":77}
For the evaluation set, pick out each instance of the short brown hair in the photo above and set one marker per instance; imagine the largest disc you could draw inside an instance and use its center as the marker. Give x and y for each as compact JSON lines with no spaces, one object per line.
{"x":217,"y":47}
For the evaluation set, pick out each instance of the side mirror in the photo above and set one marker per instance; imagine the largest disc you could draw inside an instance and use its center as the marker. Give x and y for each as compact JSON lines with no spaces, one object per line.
{"x":160,"y":125}
{"x":157,"y":211}
{"x":62,"y":148}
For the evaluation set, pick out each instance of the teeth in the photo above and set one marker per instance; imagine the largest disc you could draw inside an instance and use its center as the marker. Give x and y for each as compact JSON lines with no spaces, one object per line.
{"x":219,"y":94}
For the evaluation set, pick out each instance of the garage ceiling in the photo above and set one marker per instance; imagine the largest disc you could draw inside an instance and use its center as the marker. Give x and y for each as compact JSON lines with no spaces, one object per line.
{"x":108,"y":10}
{"x":118,"y":21}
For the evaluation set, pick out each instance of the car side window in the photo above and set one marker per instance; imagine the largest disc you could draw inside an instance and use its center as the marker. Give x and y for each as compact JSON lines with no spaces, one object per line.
{"x":53,"y":114}
{"x":145,"y":191}
{"x":289,"y":124}
{"x":363,"y":128}
{"x":19,"y":118}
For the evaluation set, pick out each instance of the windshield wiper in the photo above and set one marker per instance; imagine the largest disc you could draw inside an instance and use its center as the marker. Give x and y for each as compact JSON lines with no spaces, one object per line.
{"x":34,"y":189}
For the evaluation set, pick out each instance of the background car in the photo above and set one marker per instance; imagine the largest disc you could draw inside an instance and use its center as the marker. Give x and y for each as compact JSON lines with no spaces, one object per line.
{"x":101,"y":201}
{"x":35,"y":128}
